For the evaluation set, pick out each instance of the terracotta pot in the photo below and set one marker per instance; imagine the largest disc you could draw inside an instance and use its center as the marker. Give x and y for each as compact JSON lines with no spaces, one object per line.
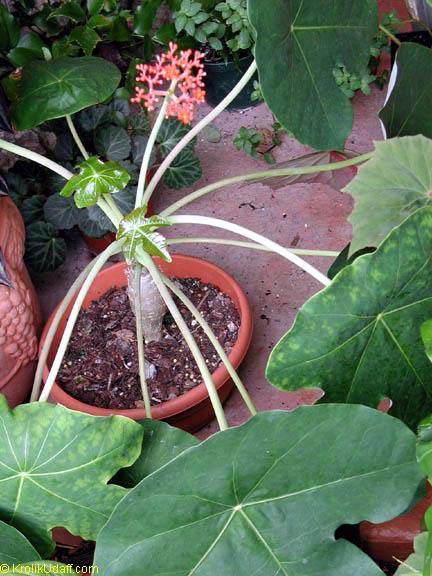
{"x":19,"y":309}
{"x":394,"y":539}
{"x":192,"y":410}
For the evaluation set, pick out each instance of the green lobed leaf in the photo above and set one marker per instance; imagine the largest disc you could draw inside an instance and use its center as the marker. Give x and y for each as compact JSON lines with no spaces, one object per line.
{"x":359,"y":339}
{"x":139,"y":231}
{"x":112,"y":142}
{"x":93,"y":223}
{"x":9,"y":30}
{"x":161,"y":444}
{"x":55,"y":465}
{"x":32,"y":209}
{"x":170,"y":134}
{"x":45,"y":251}
{"x":93,"y":117}
{"x":61,"y":212}
{"x":53,"y":89}
{"x":407,"y":111}
{"x":389,"y":187}
{"x":86,"y":37}
{"x":280,"y":486}
{"x":95,"y":178}
{"x":184,"y":171}
{"x":71,"y":10}
{"x":14,"y":546}
{"x":298,"y":46}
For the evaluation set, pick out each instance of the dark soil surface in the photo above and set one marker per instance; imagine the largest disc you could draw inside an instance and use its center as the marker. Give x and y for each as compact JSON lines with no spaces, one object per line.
{"x":77,"y":556}
{"x":101,"y":365}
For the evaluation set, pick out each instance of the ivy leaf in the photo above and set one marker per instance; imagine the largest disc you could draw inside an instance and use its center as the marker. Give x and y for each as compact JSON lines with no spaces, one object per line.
{"x":53,"y":89}
{"x":14,"y":546}
{"x":86,"y":37}
{"x":112,"y":142}
{"x":161,"y":444}
{"x":45,"y":251}
{"x":139,"y":231}
{"x":281,"y":485}
{"x":95,"y":178}
{"x":359,"y":339}
{"x":61,"y":212}
{"x":310,"y":44}
{"x":413,"y":565}
{"x":184,"y":171}
{"x":71,"y":10}
{"x":45,"y":485}
{"x":389,"y":187}
{"x":407,"y":111}
{"x":170,"y":134}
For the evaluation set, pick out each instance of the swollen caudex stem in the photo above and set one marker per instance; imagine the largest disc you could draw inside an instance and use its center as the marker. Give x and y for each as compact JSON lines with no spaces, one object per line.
{"x":153,"y":307}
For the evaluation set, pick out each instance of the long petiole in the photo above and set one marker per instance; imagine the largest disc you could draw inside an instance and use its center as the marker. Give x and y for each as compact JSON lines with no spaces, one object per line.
{"x":43,"y":355}
{"x":390,"y":35}
{"x":292,"y":171}
{"x":140,"y":339}
{"x":35,"y":157}
{"x":197,"y":129}
{"x":231,"y":227}
{"x":114,"y":208}
{"x":251,"y":246}
{"x":141,"y":197}
{"x":189,"y":339}
{"x":61,"y":351}
{"x":76,"y":137}
{"x":216,"y":344}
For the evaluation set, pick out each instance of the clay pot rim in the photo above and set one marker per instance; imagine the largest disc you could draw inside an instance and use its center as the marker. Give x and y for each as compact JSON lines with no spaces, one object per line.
{"x":198,"y":394}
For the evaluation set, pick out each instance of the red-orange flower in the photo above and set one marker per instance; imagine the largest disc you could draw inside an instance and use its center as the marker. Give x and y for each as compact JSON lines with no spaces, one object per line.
{"x":185,"y":70}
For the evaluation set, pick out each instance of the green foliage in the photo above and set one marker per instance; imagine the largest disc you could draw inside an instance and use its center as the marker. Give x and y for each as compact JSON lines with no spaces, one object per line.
{"x":281,"y":484}
{"x":426,"y":334}
{"x":413,"y":565}
{"x":9,"y":30}
{"x":54,"y":89}
{"x":223,"y":26}
{"x":344,"y":259}
{"x":183,"y":171}
{"x":359,"y":339}
{"x":138,"y":231}
{"x":389,"y":187}
{"x":407,"y":111}
{"x":44,"y":249}
{"x":95,"y":178}
{"x":14,"y":546}
{"x":253,"y":143}
{"x":311,"y":43}
{"x":55,"y":467}
{"x":350,"y":83}
{"x":161,"y":444}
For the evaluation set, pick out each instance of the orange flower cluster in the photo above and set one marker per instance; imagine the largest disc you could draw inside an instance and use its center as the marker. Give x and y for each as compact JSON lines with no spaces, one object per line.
{"x":186,"y":70}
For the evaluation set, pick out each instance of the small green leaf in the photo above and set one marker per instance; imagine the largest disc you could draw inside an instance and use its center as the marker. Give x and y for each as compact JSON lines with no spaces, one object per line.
{"x":359,"y":338}
{"x":45,"y":250}
{"x":161,"y":444}
{"x":184,"y":171}
{"x":389,"y":187}
{"x":86,"y":37}
{"x":55,"y":88}
{"x":139,"y":231}
{"x":71,"y":10}
{"x":112,"y":142}
{"x":28,"y":48}
{"x":9,"y":30}
{"x":95,"y":178}
{"x":344,"y":259}
{"x":45,"y":485}
{"x":280,"y":485}
{"x":144,"y":16}
{"x":426,"y":333}
{"x":94,"y":6}
{"x":61,"y":212}
{"x":215,"y":43}
{"x":407,"y":111}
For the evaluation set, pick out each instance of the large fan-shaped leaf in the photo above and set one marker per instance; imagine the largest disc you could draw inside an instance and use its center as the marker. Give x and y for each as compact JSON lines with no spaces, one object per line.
{"x":14,"y":546}
{"x":391,"y":186}
{"x":266,"y":498}
{"x":161,"y":444}
{"x":299,"y":47}
{"x":359,"y":339}
{"x":407,"y":111}
{"x":54,"y":469}
{"x":53,"y":89}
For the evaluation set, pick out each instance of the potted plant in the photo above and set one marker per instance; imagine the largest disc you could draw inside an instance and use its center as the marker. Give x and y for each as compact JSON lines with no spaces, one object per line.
{"x":224,"y":33}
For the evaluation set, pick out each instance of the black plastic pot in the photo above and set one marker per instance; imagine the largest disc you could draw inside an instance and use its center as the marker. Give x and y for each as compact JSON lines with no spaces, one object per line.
{"x":221,"y":79}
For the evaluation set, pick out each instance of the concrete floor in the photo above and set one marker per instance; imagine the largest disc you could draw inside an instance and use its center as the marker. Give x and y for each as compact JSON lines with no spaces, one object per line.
{"x":307,"y":215}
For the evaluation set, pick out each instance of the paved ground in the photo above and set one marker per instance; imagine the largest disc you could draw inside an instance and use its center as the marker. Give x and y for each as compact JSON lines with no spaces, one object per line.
{"x":308,"y":215}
